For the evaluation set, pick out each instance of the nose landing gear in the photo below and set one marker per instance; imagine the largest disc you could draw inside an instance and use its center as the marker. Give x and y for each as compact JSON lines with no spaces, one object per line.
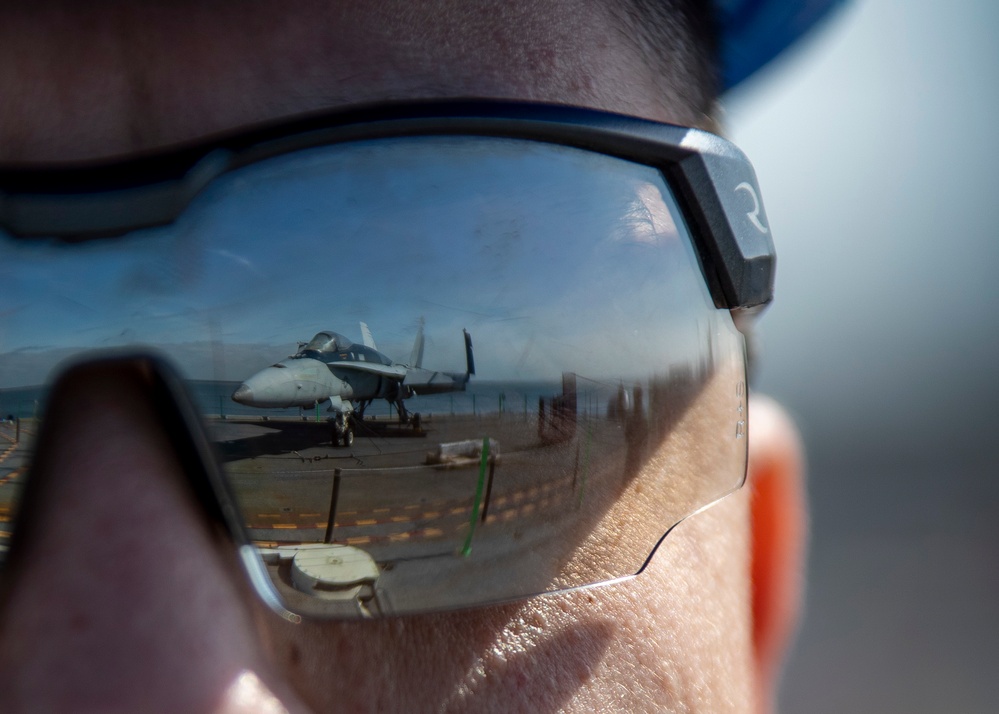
{"x":343,"y":430}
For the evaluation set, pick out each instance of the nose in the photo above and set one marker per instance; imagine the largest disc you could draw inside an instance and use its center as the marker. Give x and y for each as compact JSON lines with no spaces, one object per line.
{"x":243,"y":394}
{"x":117,"y":595}
{"x":271,"y":387}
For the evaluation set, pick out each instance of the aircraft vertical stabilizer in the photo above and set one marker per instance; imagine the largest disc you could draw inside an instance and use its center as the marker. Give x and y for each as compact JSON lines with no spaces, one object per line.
{"x":416,"y":356}
{"x":469,"y":359}
{"x":366,"y":337}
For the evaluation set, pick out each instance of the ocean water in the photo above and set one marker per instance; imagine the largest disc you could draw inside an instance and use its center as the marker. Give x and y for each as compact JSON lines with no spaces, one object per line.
{"x":480,"y":397}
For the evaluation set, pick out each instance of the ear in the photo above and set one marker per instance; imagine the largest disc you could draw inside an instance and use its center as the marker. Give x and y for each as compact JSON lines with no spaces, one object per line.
{"x":779,"y":535}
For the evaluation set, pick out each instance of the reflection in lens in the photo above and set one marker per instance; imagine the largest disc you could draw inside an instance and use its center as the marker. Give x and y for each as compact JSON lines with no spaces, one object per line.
{"x":439,"y":372}
{"x":16,"y":437}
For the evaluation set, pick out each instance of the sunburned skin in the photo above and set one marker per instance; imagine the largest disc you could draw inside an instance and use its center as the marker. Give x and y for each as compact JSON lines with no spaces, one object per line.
{"x":171,"y":625}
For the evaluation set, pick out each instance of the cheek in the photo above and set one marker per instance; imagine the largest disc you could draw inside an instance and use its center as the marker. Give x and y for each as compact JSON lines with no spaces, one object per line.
{"x":682,"y":628}
{"x":697,"y":616}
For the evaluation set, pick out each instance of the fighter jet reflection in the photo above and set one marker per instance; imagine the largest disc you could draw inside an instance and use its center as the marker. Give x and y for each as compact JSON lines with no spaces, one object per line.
{"x":350,"y":376}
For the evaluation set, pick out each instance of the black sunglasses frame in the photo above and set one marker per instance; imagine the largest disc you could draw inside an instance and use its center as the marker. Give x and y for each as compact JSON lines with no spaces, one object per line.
{"x":714,"y":182}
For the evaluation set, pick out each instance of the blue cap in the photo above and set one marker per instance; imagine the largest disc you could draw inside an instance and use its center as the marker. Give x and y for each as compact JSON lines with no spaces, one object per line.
{"x":753,"y":32}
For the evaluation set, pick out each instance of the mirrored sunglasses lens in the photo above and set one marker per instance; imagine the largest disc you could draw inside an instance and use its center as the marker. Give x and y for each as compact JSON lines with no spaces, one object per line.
{"x":439,"y":372}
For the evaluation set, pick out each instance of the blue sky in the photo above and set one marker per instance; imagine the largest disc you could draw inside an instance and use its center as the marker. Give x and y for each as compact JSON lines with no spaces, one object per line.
{"x":556,"y":260}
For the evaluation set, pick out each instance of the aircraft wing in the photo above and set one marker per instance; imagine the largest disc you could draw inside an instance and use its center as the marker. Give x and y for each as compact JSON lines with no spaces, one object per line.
{"x":425,"y":381}
{"x":393,"y":371}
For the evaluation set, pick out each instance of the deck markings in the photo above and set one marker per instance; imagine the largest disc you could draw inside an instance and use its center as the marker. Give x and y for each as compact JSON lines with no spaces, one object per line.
{"x":11,"y":476}
{"x":532,"y":500}
{"x":7,"y":452}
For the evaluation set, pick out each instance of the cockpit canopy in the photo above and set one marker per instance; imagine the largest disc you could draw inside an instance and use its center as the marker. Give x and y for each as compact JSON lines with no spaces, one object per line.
{"x":332,"y":347}
{"x":327,"y":342}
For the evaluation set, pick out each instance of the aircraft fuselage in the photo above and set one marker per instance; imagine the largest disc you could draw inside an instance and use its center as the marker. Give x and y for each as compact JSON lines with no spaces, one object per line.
{"x":348,"y":375}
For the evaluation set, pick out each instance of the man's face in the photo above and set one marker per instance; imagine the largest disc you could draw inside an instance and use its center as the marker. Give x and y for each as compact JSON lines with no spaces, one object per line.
{"x":170,"y":623}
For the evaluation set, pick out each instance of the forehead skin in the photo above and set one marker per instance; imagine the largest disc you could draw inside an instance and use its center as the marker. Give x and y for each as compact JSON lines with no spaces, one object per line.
{"x":86,"y":80}
{"x":91,"y":80}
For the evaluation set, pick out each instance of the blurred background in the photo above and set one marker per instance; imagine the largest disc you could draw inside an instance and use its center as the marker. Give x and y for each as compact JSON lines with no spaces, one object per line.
{"x":876,"y":143}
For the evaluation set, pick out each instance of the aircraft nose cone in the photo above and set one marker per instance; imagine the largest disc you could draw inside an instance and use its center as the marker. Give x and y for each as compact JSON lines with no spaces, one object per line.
{"x":243,"y":394}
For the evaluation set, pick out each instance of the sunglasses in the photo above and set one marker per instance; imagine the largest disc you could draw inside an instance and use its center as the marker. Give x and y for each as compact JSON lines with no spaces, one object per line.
{"x":413,"y":358}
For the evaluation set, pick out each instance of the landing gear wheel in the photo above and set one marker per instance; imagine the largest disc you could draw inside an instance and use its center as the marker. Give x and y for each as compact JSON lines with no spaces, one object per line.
{"x":348,"y":436}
